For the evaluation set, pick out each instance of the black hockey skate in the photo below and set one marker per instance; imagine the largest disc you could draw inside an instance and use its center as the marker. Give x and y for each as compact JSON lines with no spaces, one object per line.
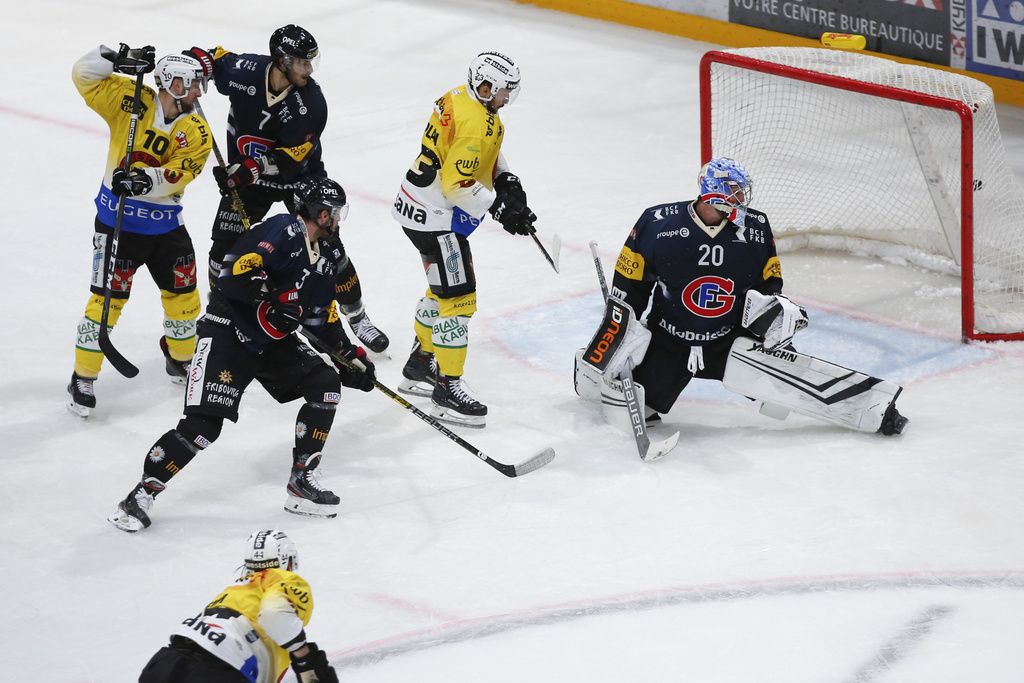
{"x":132,"y":513}
{"x":367,"y":333}
{"x":81,"y":397}
{"x":453,"y":405}
{"x":419,"y":374}
{"x":176,"y":369}
{"x":306,"y":494}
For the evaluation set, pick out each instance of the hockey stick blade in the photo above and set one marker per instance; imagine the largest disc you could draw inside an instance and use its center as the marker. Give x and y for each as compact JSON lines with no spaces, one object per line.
{"x":555,"y":247}
{"x":531,"y":464}
{"x":657,"y":449}
{"x":120,"y":363}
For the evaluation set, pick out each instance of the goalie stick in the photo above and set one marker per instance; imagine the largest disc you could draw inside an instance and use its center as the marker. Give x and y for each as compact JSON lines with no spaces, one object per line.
{"x":529,"y":465}
{"x":120,"y":363}
{"x":647,"y":449}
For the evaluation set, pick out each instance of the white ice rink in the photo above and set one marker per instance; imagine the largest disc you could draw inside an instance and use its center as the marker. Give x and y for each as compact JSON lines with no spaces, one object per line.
{"x":757,"y":550}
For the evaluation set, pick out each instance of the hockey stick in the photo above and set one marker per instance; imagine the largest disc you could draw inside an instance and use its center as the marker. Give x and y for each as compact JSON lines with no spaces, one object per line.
{"x":648,"y":451}
{"x":534,"y":463}
{"x":236,"y":201}
{"x":556,"y":247}
{"x":120,"y":363}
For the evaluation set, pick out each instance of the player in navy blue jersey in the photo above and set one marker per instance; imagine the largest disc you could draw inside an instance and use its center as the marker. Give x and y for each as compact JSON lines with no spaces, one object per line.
{"x":282,"y":273}
{"x":709,"y":272}
{"x":275,"y":124}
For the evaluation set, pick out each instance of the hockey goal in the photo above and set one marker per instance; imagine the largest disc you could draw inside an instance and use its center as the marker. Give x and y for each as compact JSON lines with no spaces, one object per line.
{"x":860,"y":153}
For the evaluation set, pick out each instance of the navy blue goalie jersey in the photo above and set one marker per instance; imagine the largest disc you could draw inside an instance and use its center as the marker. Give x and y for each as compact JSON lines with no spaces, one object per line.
{"x":695,"y":276}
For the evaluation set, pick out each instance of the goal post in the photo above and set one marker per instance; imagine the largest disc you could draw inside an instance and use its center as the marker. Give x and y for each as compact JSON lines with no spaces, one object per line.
{"x":860,"y":153}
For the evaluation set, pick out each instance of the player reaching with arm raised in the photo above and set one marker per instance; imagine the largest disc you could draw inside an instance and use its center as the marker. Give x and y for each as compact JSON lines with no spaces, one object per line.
{"x":282,"y":273}
{"x":171,"y":146}
{"x":459,"y":176}
{"x":275,"y":127}
{"x":710,"y":272}
{"x":253,"y":631}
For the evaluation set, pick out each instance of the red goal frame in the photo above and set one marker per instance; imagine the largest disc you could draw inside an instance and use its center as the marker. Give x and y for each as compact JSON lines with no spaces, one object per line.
{"x":962,"y":110}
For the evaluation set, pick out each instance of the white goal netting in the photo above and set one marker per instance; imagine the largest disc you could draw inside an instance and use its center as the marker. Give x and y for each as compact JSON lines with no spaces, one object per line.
{"x":875,"y":172}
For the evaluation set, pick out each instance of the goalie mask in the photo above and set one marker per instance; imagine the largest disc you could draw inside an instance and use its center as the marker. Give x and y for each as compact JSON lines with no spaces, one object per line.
{"x":726,"y":185}
{"x":180,"y":66}
{"x":497,"y":70}
{"x":269,"y":549}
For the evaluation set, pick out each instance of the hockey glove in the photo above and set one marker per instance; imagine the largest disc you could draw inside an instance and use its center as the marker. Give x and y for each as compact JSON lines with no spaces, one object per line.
{"x":245,"y":172}
{"x":363,"y":375}
{"x":134,"y":184}
{"x":284,"y":314}
{"x":509,"y":184}
{"x":132,"y":62}
{"x":314,"y":667}
{"x":514,"y":215}
{"x":772,"y":317}
{"x":204,"y":57}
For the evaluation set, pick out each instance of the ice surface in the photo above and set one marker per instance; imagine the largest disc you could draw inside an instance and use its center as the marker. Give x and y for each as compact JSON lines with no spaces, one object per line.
{"x":756,"y":550}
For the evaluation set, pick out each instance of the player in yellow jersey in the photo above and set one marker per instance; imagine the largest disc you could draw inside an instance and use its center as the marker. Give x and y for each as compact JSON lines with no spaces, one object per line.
{"x":170,"y":149}
{"x":459,"y":176}
{"x":253,"y":630}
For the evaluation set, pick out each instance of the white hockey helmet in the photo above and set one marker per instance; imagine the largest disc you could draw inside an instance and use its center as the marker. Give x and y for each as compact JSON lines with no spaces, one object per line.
{"x":497,"y":70}
{"x":180,"y":66}
{"x":269,"y":549}
{"x":726,"y":185}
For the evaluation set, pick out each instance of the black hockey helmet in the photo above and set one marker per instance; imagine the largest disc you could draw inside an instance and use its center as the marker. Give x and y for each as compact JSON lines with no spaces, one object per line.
{"x":314,"y":194}
{"x":293,"y":41}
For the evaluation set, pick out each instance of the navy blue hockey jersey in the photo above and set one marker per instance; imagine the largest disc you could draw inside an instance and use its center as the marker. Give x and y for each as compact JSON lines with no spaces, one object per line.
{"x":286,"y":126}
{"x":275,"y":251}
{"x":698,"y":274}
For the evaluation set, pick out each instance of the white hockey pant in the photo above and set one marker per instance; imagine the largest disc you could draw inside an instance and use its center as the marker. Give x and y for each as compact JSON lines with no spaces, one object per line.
{"x":785,"y":380}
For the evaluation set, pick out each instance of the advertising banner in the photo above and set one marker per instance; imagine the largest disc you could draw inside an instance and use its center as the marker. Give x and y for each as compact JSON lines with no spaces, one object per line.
{"x":915,"y":29}
{"x":996,"y":38}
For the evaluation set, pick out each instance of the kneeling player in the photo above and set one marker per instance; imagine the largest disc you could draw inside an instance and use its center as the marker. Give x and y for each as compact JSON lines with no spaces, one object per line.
{"x":710,"y":272}
{"x":281,"y":274}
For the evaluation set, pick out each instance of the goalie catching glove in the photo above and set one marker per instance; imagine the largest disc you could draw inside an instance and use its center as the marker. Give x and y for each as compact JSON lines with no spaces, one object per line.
{"x":773,"y":318}
{"x":313,"y":667}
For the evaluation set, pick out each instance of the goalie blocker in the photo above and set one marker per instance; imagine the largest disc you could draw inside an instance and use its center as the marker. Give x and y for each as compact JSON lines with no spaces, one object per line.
{"x":786,"y":380}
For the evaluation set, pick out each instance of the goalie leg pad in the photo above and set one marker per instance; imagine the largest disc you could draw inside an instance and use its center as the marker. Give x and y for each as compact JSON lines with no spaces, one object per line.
{"x":587,"y":378}
{"x":789,"y":380}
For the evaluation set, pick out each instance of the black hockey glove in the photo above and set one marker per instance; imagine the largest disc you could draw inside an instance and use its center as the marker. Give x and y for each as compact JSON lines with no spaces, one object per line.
{"x":513,"y":215}
{"x":204,"y":57}
{"x":314,"y":667}
{"x":507,"y":183}
{"x":284,"y":314}
{"x":134,"y":184}
{"x":245,"y":172}
{"x":363,"y":375}
{"x":134,"y":61}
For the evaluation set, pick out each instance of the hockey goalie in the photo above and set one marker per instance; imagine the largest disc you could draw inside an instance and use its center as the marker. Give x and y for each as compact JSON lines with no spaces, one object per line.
{"x":708,"y":268}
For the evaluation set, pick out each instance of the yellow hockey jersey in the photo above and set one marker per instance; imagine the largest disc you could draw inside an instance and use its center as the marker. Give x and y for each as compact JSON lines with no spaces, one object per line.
{"x":172,"y":152}
{"x":451,"y":183}
{"x":248,"y":622}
